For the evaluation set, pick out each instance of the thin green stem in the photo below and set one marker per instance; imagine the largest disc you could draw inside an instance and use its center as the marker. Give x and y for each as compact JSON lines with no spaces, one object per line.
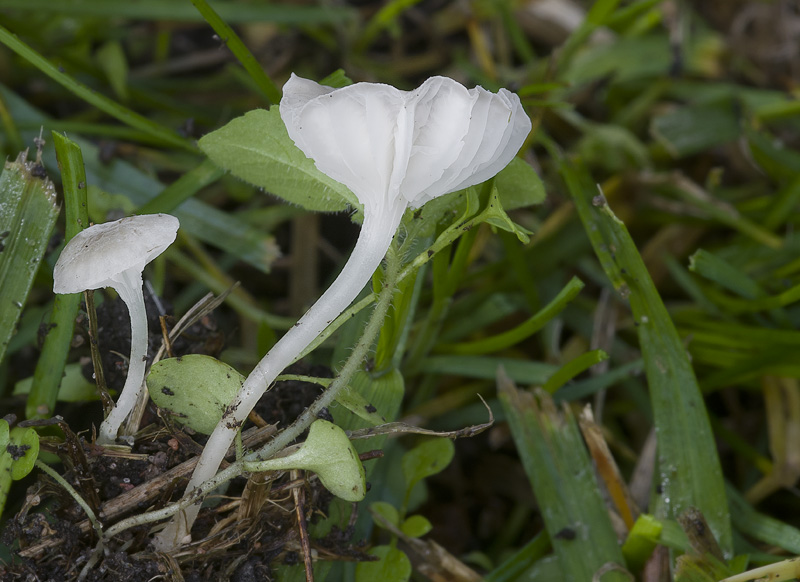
{"x":239,"y":50}
{"x":96,"y":525}
{"x":523,"y":331}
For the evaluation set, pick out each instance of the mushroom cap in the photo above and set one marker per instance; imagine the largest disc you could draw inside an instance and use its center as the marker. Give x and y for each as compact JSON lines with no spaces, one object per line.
{"x":389,"y":145}
{"x":96,"y":256}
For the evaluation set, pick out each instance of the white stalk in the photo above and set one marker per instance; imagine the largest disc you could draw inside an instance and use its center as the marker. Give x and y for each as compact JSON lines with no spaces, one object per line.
{"x":376,"y":235}
{"x":129,"y":287}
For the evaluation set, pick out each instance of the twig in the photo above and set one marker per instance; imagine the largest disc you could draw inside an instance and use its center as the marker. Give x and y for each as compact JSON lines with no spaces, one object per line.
{"x":299,"y":501}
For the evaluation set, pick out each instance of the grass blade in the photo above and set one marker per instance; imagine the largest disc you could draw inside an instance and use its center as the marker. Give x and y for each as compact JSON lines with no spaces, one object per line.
{"x":521,"y":332}
{"x":240,"y":51}
{"x":237,"y":12}
{"x":27,"y":215}
{"x":50,"y":367}
{"x":689,"y":468}
{"x":572,"y":368}
{"x":92,"y":97}
{"x":555,"y":459}
{"x":182,"y":189}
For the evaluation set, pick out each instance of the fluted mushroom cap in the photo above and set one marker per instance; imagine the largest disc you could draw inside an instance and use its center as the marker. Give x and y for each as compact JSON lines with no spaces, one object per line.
{"x":387,"y":145}
{"x":97,"y":256}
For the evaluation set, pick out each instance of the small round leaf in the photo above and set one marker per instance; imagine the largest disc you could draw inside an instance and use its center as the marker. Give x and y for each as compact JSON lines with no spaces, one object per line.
{"x":23,"y":447}
{"x":194,"y":389}
{"x":393,"y":566}
{"x":427,"y":459}
{"x":416,"y":526}
{"x":387,"y":511}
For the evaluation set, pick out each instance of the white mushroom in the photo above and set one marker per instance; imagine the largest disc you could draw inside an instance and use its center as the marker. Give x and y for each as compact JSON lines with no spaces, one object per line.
{"x":114,"y":254}
{"x":395,"y":150}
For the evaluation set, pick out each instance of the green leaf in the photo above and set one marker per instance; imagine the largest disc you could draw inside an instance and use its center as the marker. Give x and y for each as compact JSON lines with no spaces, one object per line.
{"x":328,"y":452}
{"x":613,"y":148}
{"x":626,"y":59}
{"x":416,"y":526}
{"x":240,"y":50}
{"x":50,"y":367}
{"x":572,"y":368}
{"x":101,"y":102}
{"x":496,"y":215}
{"x":689,"y":130}
{"x":393,"y":566}
{"x":235,"y":12}
{"x":387,"y":511}
{"x":23,"y":448}
{"x":512,"y":569}
{"x":28,"y":212}
{"x":209,"y":224}
{"x":522,"y":371}
{"x":195,"y":389}
{"x":641,"y":541}
{"x":182,"y":189}
{"x":358,"y":405}
{"x":426,"y":459}
{"x":523,"y":331}
{"x":5,"y":464}
{"x":73,"y":388}
{"x":337,"y":80}
{"x":519,"y":186}
{"x":384,"y":392}
{"x":19,"y":448}
{"x":773,"y":156}
{"x":112,"y":61}
{"x":723,"y":273}
{"x":689,"y":468}
{"x":762,"y":527}
{"x":257,"y":149}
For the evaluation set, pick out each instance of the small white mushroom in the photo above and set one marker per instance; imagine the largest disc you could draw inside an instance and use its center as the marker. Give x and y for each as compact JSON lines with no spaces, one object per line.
{"x":114,"y":254}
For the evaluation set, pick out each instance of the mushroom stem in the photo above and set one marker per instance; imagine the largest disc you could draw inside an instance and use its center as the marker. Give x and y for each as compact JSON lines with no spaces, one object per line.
{"x":376,"y":235}
{"x":129,"y":287}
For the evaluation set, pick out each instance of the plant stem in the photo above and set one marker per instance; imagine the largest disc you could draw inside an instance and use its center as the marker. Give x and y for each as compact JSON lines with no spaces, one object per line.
{"x":96,"y":525}
{"x":240,"y":51}
{"x":373,"y":241}
{"x":130,"y":291}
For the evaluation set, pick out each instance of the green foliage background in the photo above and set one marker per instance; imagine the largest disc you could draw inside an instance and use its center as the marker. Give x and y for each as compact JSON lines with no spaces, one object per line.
{"x":660,"y":285}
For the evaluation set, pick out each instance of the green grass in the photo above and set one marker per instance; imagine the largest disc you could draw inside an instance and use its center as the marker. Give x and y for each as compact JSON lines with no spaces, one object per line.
{"x":660,"y":284}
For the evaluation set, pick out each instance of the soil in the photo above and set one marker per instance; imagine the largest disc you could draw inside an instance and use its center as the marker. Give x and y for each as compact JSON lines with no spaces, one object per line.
{"x":240,"y":536}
